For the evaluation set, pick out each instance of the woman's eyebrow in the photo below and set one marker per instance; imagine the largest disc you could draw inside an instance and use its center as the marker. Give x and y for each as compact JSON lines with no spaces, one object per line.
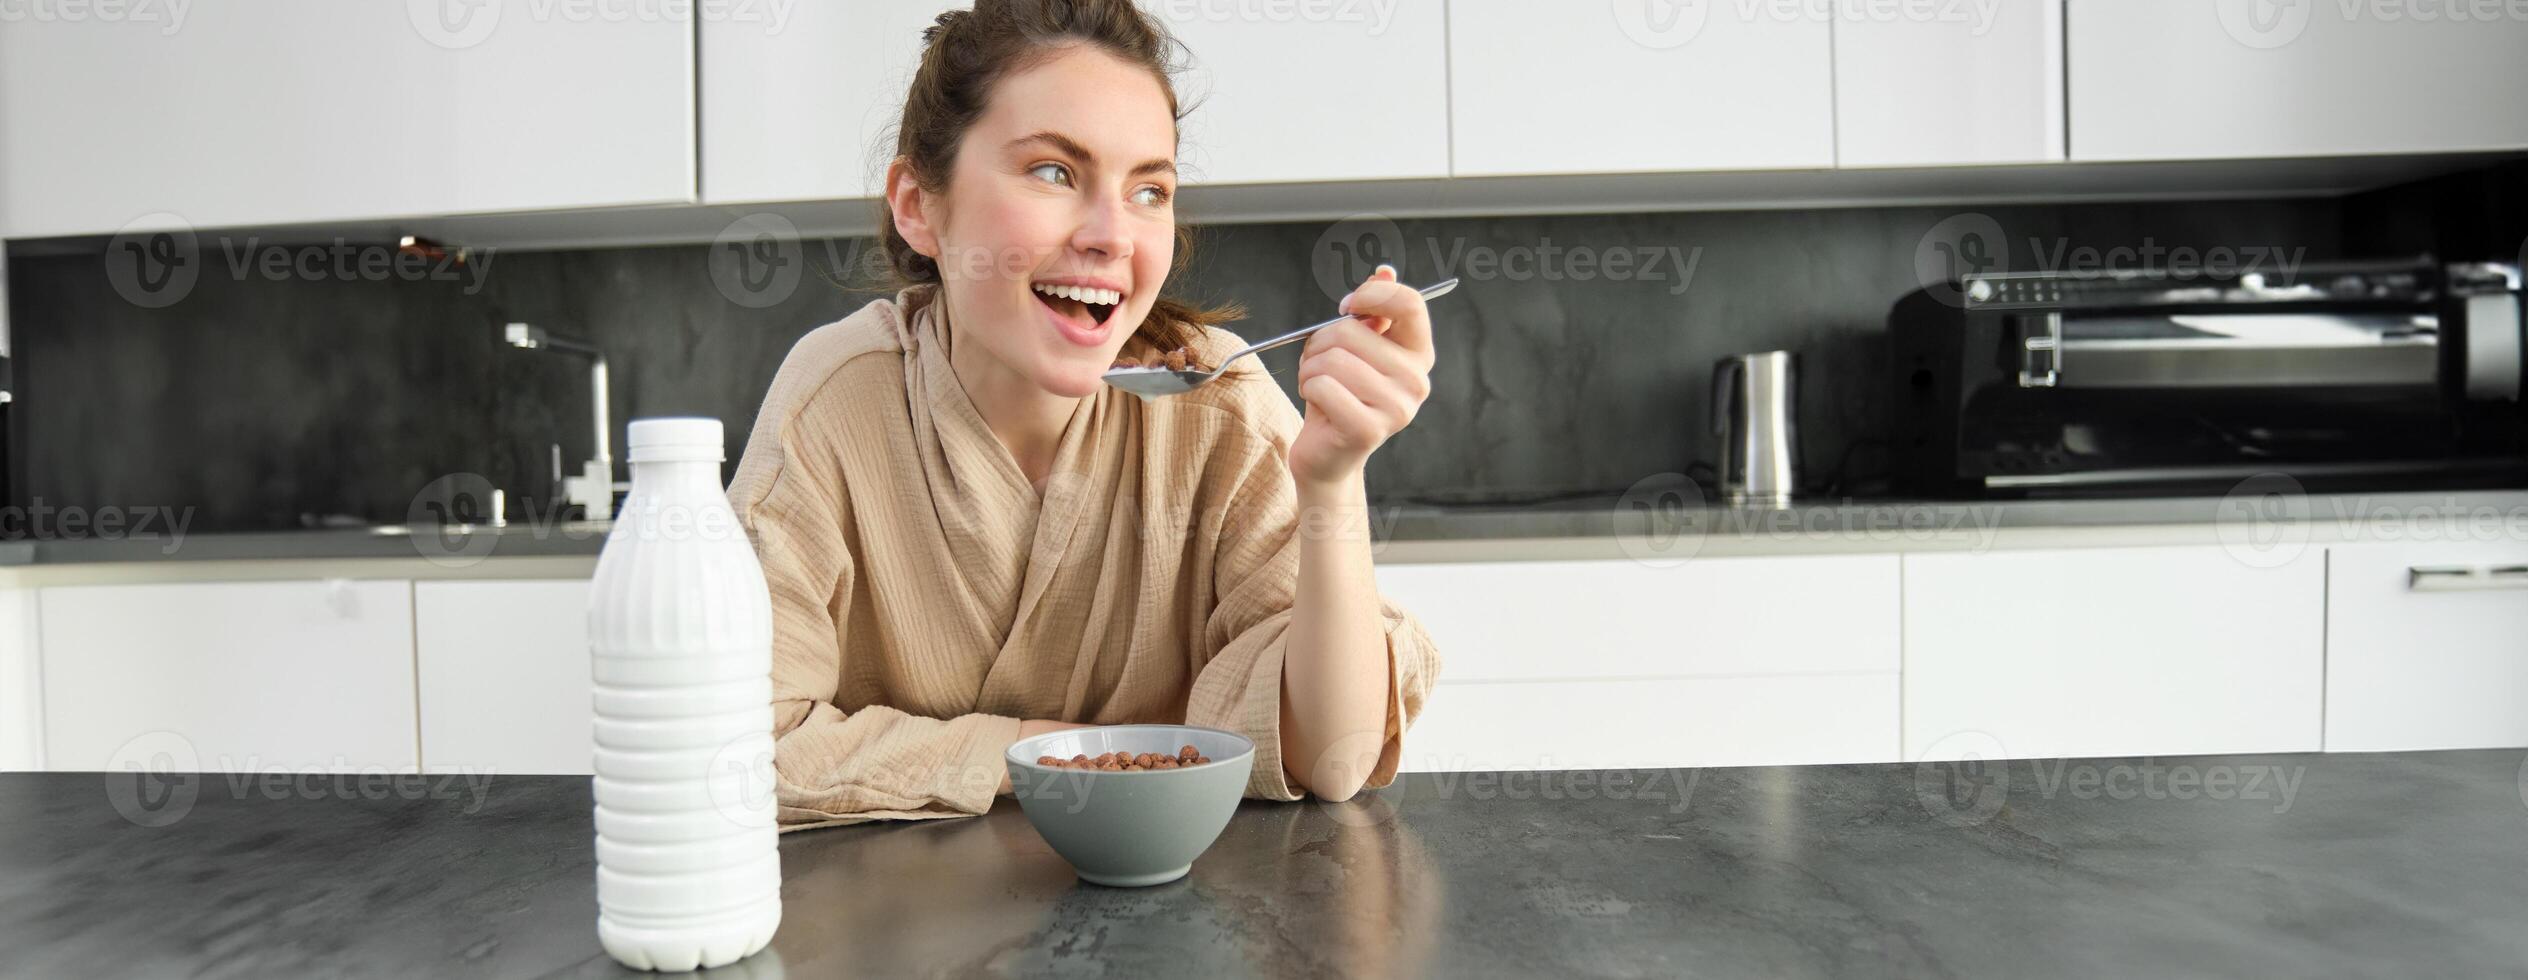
{"x":1072,"y":148}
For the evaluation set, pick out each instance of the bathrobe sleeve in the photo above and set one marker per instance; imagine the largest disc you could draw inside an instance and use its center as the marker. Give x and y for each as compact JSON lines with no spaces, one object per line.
{"x":1255,"y":577}
{"x":835,"y":767}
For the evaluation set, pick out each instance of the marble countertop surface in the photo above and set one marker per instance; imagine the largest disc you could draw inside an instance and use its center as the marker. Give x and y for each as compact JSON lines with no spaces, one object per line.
{"x":1643,"y":526}
{"x":2391,"y":865}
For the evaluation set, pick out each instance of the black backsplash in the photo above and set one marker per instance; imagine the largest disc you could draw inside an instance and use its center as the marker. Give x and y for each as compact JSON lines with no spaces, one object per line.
{"x":267,"y":398}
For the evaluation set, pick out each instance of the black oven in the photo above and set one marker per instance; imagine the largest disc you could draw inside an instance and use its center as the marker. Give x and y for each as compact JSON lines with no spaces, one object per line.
{"x":2371,"y":375}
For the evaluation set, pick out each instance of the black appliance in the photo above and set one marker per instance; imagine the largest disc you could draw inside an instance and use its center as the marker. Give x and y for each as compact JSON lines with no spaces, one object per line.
{"x":2369,"y":374}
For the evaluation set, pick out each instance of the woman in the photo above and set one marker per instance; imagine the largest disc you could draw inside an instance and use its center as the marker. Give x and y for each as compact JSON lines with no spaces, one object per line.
{"x":970,"y":539}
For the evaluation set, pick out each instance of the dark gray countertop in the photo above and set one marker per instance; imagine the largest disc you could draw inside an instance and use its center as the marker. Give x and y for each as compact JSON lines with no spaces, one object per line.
{"x":1859,"y":523}
{"x":2390,"y":865}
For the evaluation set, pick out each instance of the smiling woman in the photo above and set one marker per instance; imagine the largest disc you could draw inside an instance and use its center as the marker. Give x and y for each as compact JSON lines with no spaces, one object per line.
{"x":969,"y":539}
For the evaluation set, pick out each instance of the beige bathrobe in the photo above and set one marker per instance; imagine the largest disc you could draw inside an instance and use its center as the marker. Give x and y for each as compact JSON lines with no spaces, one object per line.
{"x":926,"y":596}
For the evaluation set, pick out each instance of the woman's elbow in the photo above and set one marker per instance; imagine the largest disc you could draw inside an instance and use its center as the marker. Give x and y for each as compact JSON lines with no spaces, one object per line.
{"x":1339,"y":772}
{"x":1338,"y":791}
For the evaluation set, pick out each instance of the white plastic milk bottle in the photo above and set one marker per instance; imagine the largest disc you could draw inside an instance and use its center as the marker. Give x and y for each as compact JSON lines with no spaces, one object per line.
{"x":680,"y":631}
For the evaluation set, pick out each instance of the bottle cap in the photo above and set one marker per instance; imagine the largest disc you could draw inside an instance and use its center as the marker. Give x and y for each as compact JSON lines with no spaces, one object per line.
{"x":676,"y":440}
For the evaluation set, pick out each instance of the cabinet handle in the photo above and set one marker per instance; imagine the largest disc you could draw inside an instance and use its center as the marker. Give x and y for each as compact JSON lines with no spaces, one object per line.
{"x":2465,"y":578}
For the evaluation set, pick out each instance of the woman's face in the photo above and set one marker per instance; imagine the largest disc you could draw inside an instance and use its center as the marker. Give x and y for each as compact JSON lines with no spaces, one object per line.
{"x":1059,"y":221}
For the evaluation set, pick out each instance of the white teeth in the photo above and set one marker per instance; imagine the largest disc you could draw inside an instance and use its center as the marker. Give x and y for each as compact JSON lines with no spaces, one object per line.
{"x":1084,"y":294}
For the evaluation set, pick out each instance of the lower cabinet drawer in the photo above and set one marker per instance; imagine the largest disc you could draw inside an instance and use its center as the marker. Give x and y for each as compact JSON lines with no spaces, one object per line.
{"x":1605,"y":619}
{"x":1656,"y":723}
{"x":251,"y":677}
{"x":2426,"y":668}
{"x":504,"y":676}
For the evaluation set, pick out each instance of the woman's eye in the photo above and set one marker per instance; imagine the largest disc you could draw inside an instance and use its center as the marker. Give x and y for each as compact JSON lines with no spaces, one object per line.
{"x":1150,"y":196}
{"x":1051,"y":173}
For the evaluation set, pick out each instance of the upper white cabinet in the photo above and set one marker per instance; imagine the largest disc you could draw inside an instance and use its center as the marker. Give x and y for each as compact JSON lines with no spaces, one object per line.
{"x":2191,"y":79}
{"x":1948,"y":84}
{"x":803,"y":111}
{"x":1547,"y":86}
{"x":2427,"y":645}
{"x":504,"y":676}
{"x":229,"y":676}
{"x":2120,"y":651}
{"x":1304,"y":92}
{"x":256,"y":112}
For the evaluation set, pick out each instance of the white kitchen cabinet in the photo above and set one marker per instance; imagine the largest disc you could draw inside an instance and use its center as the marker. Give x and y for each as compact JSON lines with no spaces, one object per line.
{"x":2187,"y":79}
{"x":229,"y":676}
{"x":21,"y":682}
{"x":2412,"y":663}
{"x":1300,"y":92}
{"x":801,"y":112}
{"x":1932,"y":85}
{"x":1610,"y":664}
{"x":2112,"y":651}
{"x":504,"y":676}
{"x":1544,"y":86}
{"x":1719,"y":617}
{"x":1655,"y":723}
{"x":263,"y":112}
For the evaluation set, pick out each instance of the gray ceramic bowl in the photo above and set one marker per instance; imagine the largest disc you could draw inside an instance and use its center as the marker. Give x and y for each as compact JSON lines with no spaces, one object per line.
{"x":1131,"y":828}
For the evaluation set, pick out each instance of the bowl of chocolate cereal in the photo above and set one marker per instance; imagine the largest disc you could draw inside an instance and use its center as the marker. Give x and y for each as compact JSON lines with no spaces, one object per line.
{"x":1130,"y":805}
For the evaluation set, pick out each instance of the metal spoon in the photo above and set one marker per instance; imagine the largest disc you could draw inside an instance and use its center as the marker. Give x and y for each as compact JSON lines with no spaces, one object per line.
{"x":1158,"y":382}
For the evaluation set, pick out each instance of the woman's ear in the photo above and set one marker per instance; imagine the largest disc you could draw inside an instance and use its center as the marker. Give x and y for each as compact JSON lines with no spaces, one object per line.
{"x":909,"y":207}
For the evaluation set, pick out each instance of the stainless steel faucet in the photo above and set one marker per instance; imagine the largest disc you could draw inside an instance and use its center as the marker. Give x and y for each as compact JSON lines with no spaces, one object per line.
{"x":593,"y":489}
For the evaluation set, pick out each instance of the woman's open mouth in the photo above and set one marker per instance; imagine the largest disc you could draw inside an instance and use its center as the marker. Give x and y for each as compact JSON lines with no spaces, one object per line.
{"x":1079,"y":312}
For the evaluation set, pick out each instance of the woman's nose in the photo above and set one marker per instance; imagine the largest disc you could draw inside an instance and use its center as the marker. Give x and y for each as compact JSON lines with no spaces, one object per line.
{"x":1103,"y":230}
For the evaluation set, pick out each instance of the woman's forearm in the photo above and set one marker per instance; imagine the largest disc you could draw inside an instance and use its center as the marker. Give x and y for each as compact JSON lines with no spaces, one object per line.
{"x":1334,"y":668}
